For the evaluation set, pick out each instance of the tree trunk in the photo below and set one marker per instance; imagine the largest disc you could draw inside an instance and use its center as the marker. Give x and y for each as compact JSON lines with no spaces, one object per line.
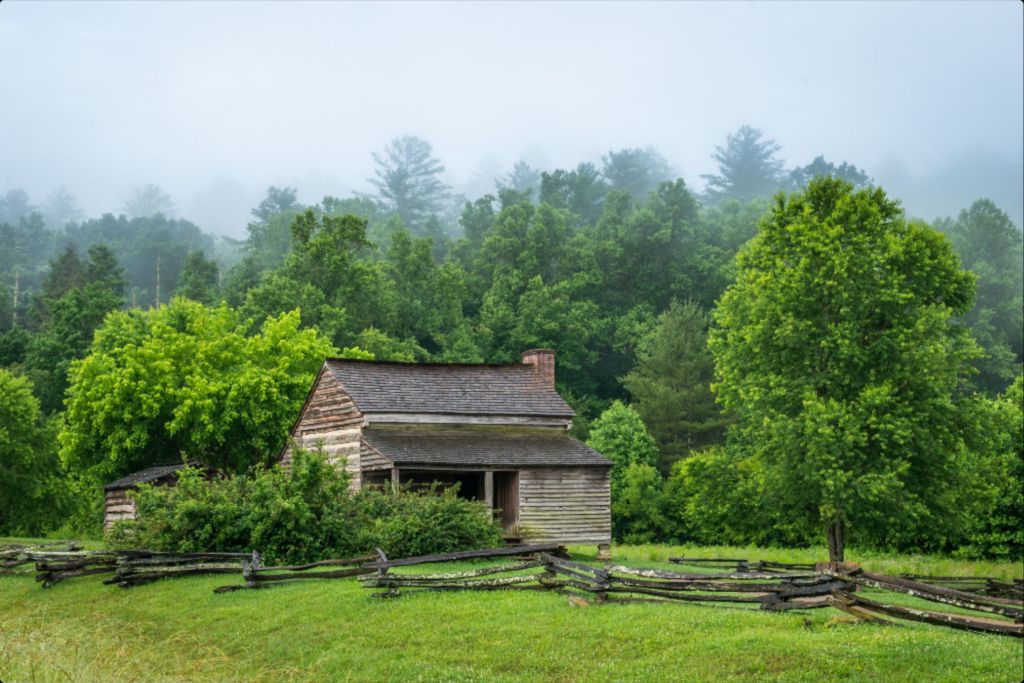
{"x":836,"y":540}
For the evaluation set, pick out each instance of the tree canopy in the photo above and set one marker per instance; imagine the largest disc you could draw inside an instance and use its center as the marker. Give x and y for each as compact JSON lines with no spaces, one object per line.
{"x":186,"y":381}
{"x":836,"y":350}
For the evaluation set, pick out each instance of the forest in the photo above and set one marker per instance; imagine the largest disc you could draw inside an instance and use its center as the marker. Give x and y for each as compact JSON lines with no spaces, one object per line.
{"x":782,"y":357}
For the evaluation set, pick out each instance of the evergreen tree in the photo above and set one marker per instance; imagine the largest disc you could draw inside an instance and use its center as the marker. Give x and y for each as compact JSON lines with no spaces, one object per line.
{"x":636,"y":171}
{"x":992,"y":247}
{"x":523,"y":180}
{"x":199,"y":279}
{"x":747,"y":167}
{"x":671,"y":383}
{"x":149,"y":200}
{"x":409,"y":181}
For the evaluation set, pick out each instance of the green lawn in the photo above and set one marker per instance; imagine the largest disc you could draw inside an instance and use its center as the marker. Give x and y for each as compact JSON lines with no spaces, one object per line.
{"x":179,"y":630}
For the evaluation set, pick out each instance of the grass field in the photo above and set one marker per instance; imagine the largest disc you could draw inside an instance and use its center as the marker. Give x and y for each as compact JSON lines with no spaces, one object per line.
{"x":179,"y":630}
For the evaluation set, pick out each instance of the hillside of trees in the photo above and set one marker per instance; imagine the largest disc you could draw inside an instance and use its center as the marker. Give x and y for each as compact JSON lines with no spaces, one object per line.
{"x":842,"y":333}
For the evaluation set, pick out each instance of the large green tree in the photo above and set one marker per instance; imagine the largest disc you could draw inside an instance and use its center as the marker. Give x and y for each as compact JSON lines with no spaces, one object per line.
{"x":185,"y":380}
{"x":836,"y":350}
{"x":580,"y":191}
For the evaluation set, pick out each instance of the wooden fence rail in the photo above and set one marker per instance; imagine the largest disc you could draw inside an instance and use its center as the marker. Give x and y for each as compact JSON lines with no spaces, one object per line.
{"x":743,"y":565}
{"x":138,"y":567}
{"x":767,"y":590}
{"x":255,"y":575}
{"x":14,"y":556}
{"x":1012,"y":608}
{"x":754,"y":584}
{"x":52,"y":567}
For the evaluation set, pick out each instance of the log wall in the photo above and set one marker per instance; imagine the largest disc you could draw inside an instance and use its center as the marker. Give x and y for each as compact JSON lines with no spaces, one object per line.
{"x":330,"y":420}
{"x":118,"y":507}
{"x":371,"y":459}
{"x":565,"y":505}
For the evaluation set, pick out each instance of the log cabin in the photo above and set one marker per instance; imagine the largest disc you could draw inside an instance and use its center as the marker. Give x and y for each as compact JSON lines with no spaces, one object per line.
{"x":119,"y":505}
{"x":501,"y":432}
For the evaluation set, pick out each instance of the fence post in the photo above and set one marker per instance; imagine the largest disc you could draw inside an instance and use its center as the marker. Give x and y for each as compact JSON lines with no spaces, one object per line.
{"x":604,"y":582}
{"x":382,"y":571}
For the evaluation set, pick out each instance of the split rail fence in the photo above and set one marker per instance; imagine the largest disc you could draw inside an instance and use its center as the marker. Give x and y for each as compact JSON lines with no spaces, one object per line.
{"x":543,"y":570}
{"x":984,"y":604}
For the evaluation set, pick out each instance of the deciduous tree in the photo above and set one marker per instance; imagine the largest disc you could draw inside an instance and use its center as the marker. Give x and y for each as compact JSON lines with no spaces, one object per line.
{"x":185,"y":380}
{"x":620,"y":435}
{"x":835,"y":349}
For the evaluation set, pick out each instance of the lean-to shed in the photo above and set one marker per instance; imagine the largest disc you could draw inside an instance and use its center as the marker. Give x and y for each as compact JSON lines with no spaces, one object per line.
{"x":120,"y":506}
{"x":500,"y":431}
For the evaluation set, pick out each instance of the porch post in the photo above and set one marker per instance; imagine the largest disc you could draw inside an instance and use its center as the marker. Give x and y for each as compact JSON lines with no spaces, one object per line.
{"x":489,"y":488}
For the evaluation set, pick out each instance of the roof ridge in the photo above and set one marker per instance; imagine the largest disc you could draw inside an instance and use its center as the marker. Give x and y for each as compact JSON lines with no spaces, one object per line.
{"x":426,"y":364}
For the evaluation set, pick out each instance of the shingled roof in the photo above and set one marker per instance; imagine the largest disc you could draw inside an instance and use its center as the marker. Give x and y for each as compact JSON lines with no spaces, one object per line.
{"x":413,"y":447}
{"x":388,"y":387}
{"x":150,"y":475}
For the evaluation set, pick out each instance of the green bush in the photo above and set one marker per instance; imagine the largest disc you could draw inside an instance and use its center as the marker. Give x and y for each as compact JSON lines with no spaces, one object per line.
{"x":993,"y":526}
{"x":406,"y":524}
{"x":718,"y":497}
{"x":637,"y":511}
{"x":301,"y":514}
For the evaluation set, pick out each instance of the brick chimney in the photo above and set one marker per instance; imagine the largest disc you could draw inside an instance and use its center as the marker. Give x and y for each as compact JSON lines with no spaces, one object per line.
{"x":544,"y":361}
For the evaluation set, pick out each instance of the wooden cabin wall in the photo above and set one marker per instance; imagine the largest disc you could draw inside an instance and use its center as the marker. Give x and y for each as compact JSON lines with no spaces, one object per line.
{"x":370,"y":459}
{"x":565,"y":504}
{"x":332,"y":421}
{"x":117,"y":507}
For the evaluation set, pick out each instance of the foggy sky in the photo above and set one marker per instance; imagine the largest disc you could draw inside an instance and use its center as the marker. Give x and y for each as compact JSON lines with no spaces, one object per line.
{"x":214,"y":102}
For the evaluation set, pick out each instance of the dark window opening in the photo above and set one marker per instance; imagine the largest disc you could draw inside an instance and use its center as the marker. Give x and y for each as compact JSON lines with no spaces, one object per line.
{"x":470,"y":484}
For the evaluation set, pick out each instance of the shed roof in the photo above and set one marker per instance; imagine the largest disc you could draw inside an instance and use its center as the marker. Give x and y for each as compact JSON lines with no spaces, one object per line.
{"x":413,"y":447}
{"x":443,"y":388}
{"x":149,"y":475}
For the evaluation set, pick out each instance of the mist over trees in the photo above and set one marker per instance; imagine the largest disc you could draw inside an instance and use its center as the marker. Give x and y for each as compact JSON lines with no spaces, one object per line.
{"x":747,"y":167}
{"x":149,"y":200}
{"x":615,"y":262}
{"x":408,"y":181}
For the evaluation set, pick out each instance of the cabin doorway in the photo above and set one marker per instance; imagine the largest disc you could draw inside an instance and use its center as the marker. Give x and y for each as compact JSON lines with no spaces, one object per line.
{"x":506,"y":500}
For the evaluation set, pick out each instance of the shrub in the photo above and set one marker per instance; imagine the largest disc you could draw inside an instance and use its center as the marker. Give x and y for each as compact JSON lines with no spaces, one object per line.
{"x":637,"y":511}
{"x":993,"y":526}
{"x":427,"y":523}
{"x":302,"y":514}
{"x":718,"y":497}
{"x":620,"y":435}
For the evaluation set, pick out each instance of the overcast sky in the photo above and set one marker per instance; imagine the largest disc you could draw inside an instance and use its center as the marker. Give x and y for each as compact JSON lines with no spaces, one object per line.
{"x":215,"y":101}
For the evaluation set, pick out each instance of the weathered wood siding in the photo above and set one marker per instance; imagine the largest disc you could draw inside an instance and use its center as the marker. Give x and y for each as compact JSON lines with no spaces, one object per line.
{"x":565,"y":504}
{"x":371,"y":459}
{"x":118,"y":507}
{"x":332,"y":421}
